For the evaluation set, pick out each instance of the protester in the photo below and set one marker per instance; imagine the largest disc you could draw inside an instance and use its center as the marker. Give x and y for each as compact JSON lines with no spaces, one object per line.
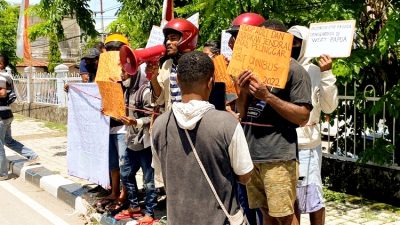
{"x":271,"y":116}
{"x":9,"y":141}
{"x":138,"y":154}
{"x":115,"y":202}
{"x":88,"y":65}
{"x":324,"y":95}
{"x":180,"y":37}
{"x":212,"y":48}
{"x":85,"y":68}
{"x":255,"y":20}
{"x":6,"y":118}
{"x":219,"y":138}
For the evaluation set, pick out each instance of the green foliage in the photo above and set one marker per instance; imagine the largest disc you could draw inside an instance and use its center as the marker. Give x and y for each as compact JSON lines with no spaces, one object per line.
{"x":52,"y":13}
{"x":8,"y":31}
{"x":381,"y":153}
{"x":135,"y":20}
{"x":55,"y":54}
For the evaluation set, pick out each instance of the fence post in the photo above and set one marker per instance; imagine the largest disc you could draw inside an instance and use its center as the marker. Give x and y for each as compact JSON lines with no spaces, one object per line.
{"x":61,"y":73}
{"x":30,"y":92}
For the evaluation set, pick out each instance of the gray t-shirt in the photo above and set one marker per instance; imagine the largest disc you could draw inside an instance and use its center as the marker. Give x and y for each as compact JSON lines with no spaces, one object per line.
{"x":190,"y":199}
{"x":278,"y":141}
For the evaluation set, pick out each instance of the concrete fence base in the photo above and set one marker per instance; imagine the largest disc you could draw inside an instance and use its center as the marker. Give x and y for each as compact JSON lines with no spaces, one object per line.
{"x":373,"y":182}
{"x":45,"y":112}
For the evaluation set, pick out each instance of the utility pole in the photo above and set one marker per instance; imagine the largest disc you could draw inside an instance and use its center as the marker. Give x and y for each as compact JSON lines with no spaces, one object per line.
{"x":102,"y":20}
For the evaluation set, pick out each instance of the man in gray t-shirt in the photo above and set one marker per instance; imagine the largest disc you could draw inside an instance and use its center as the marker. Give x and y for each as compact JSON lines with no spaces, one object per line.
{"x":219,"y":140}
{"x":271,"y":116}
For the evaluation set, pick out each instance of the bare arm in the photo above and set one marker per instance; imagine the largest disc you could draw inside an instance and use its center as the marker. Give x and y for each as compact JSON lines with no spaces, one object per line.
{"x":155,"y":86}
{"x":244,"y":179}
{"x":297,"y":114}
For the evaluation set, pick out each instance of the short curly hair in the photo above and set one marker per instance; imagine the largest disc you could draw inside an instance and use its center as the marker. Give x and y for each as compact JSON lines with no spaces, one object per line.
{"x":274,"y":24}
{"x":193,"y":68}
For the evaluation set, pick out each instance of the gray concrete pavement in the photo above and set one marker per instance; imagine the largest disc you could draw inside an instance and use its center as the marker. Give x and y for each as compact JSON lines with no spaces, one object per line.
{"x":24,"y":204}
{"x":51,"y":145}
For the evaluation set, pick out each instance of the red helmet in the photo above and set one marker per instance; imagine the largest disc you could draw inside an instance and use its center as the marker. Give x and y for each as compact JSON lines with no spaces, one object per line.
{"x":188,"y":31}
{"x":253,"y":19}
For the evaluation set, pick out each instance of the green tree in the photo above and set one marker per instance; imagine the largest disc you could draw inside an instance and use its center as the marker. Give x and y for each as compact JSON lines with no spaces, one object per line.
{"x":8,"y":31}
{"x":52,"y":13}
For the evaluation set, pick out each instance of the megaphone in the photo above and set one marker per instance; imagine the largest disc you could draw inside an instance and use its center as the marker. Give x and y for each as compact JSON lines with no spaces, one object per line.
{"x":131,"y":59}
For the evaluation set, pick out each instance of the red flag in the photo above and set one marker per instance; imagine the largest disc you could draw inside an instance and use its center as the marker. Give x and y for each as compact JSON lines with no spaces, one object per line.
{"x":168,"y":11}
{"x":23,"y":46}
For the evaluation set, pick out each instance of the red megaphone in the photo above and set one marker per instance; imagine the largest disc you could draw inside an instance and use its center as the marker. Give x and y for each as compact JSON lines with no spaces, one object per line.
{"x":131,"y":59}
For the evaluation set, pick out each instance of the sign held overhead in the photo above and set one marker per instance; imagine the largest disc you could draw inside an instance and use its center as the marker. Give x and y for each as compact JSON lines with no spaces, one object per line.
{"x":331,"y":38}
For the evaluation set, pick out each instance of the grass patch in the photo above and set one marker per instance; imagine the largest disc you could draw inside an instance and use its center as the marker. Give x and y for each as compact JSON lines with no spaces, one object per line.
{"x":56,"y":126}
{"x":51,"y":125}
{"x":18,"y":117}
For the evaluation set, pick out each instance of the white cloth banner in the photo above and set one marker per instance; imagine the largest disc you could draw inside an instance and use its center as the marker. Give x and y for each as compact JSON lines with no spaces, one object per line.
{"x":88,"y":135}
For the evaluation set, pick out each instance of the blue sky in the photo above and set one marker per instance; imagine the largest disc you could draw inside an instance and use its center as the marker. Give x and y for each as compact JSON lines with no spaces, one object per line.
{"x":109,"y":6}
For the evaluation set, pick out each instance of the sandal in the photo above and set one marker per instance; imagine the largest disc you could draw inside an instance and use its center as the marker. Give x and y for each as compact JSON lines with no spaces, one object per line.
{"x":115,"y":207}
{"x":146,"y":220}
{"x":101,"y":203}
{"x":127,"y":214}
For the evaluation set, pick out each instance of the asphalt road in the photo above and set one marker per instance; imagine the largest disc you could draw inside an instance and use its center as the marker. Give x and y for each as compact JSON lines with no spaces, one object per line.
{"x":24,"y":204}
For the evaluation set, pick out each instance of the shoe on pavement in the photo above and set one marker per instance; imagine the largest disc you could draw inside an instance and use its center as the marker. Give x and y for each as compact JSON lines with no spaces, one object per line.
{"x":3,"y":177}
{"x":31,"y":162}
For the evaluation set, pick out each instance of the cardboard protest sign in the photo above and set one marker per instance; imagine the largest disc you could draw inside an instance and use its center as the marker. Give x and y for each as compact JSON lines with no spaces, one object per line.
{"x":265,"y":52}
{"x":225,"y":49}
{"x":109,"y":67}
{"x":332,"y":38}
{"x":112,"y":99}
{"x":88,"y":135}
{"x":156,"y":37}
{"x":221,"y":74}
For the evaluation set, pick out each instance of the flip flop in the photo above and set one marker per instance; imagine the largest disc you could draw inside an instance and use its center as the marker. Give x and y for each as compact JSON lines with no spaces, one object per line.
{"x":126,"y":214}
{"x":101,"y":203}
{"x":146,"y":221}
{"x":115,"y":207}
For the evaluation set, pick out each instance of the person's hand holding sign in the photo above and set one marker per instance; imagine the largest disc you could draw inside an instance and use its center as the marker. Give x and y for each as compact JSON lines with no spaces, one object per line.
{"x":243,"y":81}
{"x":128,"y":121}
{"x":325,"y":63}
{"x":257,"y":89}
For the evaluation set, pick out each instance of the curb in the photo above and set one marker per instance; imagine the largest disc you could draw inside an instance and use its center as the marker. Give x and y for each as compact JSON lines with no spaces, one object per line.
{"x":61,"y":188}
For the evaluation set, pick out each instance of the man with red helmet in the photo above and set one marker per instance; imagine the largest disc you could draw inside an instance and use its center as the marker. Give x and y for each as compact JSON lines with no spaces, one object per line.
{"x":273,"y":144}
{"x":253,"y":19}
{"x":180,"y":37}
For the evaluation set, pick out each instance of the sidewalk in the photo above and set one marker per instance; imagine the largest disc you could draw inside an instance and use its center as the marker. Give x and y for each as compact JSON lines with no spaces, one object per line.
{"x":50,"y":142}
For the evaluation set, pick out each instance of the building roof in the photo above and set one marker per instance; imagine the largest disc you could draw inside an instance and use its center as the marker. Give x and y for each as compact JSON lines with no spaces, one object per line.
{"x":32,"y":62}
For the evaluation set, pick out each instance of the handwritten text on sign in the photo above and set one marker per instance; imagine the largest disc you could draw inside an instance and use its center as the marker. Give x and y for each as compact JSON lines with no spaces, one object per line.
{"x":112,"y":99}
{"x":109,"y":67}
{"x":265,"y":52}
{"x":332,"y":38}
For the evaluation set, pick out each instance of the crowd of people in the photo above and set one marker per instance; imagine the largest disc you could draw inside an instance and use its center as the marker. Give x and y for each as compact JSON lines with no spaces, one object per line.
{"x":256,"y":161}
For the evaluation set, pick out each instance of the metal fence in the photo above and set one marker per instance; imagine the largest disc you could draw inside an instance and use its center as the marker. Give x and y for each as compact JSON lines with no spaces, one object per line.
{"x":354,"y":130}
{"x":45,"y":88}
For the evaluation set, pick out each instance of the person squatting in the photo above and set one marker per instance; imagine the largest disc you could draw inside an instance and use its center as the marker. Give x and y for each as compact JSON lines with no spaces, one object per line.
{"x":218,"y":166}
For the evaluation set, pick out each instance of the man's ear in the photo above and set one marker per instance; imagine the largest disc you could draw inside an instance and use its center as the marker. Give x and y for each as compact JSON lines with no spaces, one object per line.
{"x":210,"y":83}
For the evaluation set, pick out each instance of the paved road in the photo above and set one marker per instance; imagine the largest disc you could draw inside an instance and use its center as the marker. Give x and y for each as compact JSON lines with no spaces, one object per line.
{"x":24,"y":204}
